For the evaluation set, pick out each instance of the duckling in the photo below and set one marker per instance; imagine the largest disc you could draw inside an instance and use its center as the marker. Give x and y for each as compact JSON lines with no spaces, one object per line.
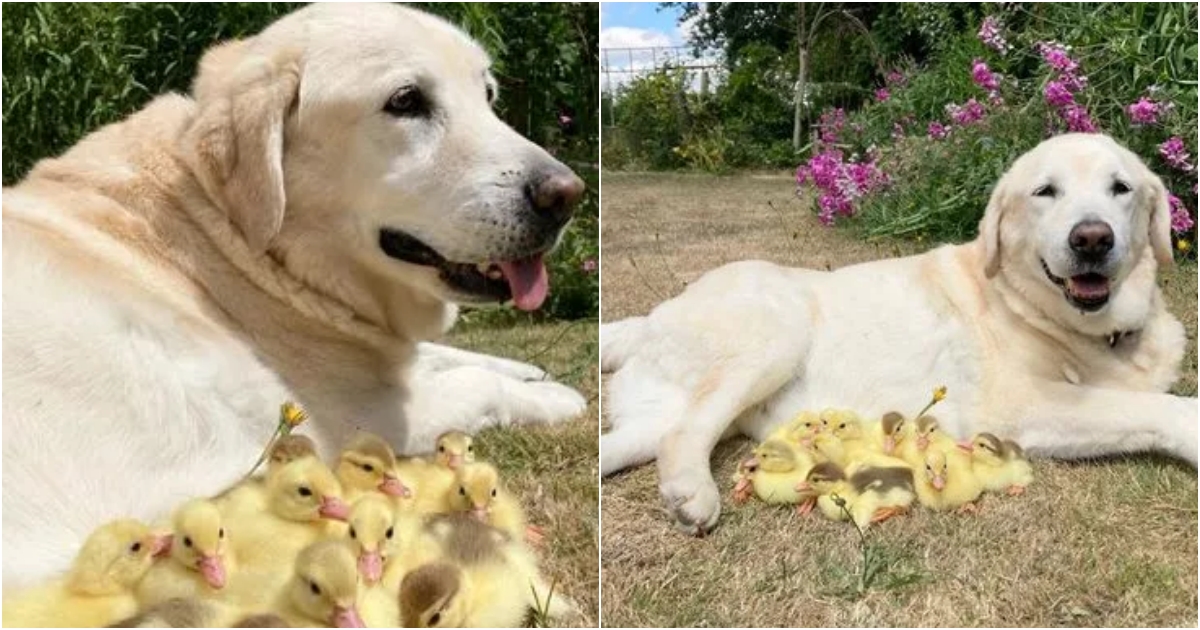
{"x":484,"y":579}
{"x":480,"y":493}
{"x":775,"y":470}
{"x":372,"y":530}
{"x":871,"y":495}
{"x":368,"y":464}
{"x":275,"y":518}
{"x":891,"y":433}
{"x":1000,"y":464}
{"x":454,"y":448}
{"x":846,"y":443}
{"x":99,"y":588}
{"x":947,"y":481}
{"x":926,"y":432}
{"x":198,"y":557}
{"x":434,"y":475}
{"x":799,"y":431}
{"x":324,"y":587}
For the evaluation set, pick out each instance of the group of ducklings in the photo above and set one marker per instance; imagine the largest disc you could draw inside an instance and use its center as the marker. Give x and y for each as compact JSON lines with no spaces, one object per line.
{"x":376,"y":541}
{"x":869,"y":472}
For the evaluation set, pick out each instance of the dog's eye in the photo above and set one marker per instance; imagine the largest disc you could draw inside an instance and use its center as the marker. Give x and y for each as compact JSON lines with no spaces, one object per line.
{"x":407,"y":102}
{"x":1120,"y":188}
{"x":1047,"y":190}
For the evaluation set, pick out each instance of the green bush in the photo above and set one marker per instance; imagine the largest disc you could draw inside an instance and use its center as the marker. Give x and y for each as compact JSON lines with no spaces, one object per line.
{"x":70,"y":68}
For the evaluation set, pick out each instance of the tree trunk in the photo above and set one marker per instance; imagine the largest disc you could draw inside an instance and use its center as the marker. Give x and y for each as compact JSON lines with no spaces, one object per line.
{"x":801,"y":78}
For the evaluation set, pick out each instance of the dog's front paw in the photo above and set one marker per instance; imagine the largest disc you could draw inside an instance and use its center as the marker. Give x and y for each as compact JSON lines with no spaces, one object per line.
{"x":555,"y":403}
{"x":693,"y":501}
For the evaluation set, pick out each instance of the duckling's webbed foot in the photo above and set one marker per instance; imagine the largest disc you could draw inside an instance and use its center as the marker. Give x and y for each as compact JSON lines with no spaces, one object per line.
{"x":1015,"y":490}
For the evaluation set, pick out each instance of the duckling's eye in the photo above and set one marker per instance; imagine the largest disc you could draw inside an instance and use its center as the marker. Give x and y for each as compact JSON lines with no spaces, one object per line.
{"x":389,"y":533}
{"x":221,"y":533}
{"x":470,"y":449}
{"x":441,"y":448}
{"x":312,"y":586}
{"x":928,"y":468}
{"x":842,"y":425}
{"x":187,"y":541}
{"x":135,"y":547}
{"x":493,"y":492}
{"x":462,"y":491}
{"x":353,"y":534}
{"x":437,"y":616}
{"x":305,"y":491}
{"x":368,"y":468}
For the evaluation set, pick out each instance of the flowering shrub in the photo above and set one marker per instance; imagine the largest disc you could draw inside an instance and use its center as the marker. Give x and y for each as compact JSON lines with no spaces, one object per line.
{"x":933,"y":164}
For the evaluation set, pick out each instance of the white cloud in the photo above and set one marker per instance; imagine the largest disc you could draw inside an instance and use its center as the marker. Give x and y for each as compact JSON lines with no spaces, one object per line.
{"x":629,"y":37}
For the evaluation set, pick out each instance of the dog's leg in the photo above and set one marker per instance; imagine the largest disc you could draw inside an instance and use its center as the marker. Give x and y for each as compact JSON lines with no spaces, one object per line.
{"x":1072,"y":422}
{"x":619,"y":341}
{"x":436,"y":358}
{"x":470,"y":398}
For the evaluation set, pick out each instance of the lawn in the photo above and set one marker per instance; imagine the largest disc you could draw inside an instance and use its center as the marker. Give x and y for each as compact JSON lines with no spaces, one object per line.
{"x":553,"y":469}
{"x":1104,"y":543}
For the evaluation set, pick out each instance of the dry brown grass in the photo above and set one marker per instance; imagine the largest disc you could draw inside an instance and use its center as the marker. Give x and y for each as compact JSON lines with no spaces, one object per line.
{"x":1109,"y":543}
{"x":553,"y":469}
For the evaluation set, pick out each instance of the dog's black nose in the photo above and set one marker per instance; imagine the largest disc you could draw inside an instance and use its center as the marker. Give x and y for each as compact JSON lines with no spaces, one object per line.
{"x":1091,"y":240}
{"x":555,"y":194}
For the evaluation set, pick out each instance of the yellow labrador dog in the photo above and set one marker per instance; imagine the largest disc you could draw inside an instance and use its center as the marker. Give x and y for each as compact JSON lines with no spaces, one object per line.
{"x":294,"y":229}
{"x":1048,"y":328}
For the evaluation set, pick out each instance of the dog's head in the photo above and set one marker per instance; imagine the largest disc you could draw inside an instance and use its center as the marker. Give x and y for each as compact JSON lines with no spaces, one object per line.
{"x":358,"y":144}
{"x":1072,"y":224}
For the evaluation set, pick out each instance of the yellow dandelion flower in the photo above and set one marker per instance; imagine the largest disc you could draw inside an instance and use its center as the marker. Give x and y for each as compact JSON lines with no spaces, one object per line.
{"x":292,"y":415}
{"x":1184,"y":245}
{"x":939,"y":394}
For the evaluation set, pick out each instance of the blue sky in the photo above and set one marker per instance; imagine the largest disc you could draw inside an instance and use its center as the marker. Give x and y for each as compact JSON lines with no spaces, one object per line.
{"x":629,"y":24}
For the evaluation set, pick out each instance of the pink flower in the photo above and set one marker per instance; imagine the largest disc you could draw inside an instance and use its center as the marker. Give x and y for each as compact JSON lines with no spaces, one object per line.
{"x":589,"y":266}
{"x":830,"y":124}
{"x":1181,"y":219}
{"x":895,"y":78}
{"x":970,"y":112}
{"x":1143,"y":112}
{"x":882,"y":95}
{"x":984,"y":77}
{"x":1057,"y":95}
{"x":1174,"y":152}
{"x":990,"y":35}
{"x":938,"y":131}
{"x":1078,"y":119}
{"x":1055,"y":55}
{"x":840,"y":183}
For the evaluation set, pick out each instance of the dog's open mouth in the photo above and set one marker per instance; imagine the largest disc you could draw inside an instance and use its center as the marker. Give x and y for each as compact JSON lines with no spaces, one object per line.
{"x":525,"y":281}
{"x":1087,"y":291}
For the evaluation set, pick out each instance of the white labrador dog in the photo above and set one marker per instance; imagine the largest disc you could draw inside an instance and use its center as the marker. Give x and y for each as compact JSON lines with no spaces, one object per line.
{"x":293,"y":230}
{"x":1048,"y":328}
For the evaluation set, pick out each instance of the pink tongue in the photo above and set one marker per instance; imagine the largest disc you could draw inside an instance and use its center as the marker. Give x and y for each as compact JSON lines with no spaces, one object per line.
{"x":528,"y":281}
{"x":213,"y":571}
{"x":1089,"y":285}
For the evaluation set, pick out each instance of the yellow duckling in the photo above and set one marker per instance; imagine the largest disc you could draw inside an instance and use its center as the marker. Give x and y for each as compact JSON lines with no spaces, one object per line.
{"x":1000,"y":464}
{"x":99,"y":588}
{"x":926,"y":432}
{"x":435,"y":476}
{"x":485,"y":579}
{"x":845,"y":442}
{"x":199,"y":562}
{"x":273,"y":519}
{"x":368,"y":464}
{"x":480,"y":493}
{"x":774,"y":471}
{"x":324,"y":587}
{"x":799,"y":431}
{"x":454,"y":448}
{"x":891,"y":433}
{"x":372,"y":531}
{"x":871,"y":495}
{"x":947,"y":482}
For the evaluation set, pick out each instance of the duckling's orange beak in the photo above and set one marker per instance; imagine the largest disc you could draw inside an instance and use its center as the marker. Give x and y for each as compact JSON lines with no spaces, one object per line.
{"x":370,"y":565}
{"x":923,"y":442}
{"x":803,"y":486}
{"x":938,"y":482}
{"x":334,"y":508}
{"x":889,"y":444}
{"x":212,"y":568}
{"x":347,"y":617}
{"x":480,"y":512}
{"x":393,"y":487}
{"x":966,"y":445}
{"x":454,"y":461}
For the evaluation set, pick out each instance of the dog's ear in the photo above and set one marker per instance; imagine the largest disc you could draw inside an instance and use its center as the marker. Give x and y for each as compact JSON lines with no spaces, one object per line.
{"x":235,"y":143}
{"x":989,"y":226}
{"x":1155,"y":196}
